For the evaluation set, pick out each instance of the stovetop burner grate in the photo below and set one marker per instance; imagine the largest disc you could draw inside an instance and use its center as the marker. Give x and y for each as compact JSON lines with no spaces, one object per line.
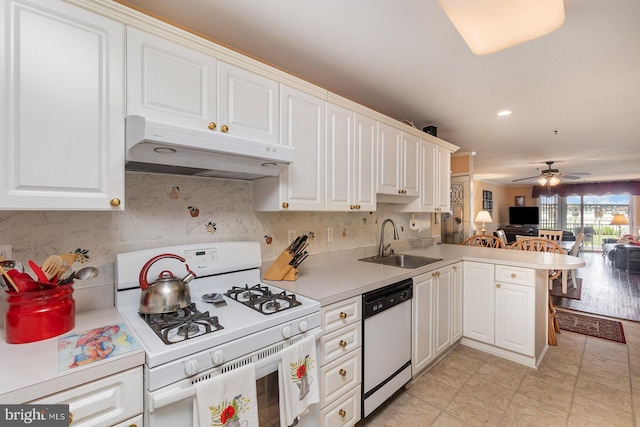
{"x":262,"y":299}
{"x":181,"y":325}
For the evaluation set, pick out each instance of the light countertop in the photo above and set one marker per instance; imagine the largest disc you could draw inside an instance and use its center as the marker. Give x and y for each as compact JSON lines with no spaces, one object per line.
{"x":341,"y":280}
{"x":30,"y":371}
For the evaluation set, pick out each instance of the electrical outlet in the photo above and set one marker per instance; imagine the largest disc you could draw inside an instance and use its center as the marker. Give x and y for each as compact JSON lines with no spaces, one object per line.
{"x":329,"y":234}
{"x":291,"y":235}
{"x":6,"y":252}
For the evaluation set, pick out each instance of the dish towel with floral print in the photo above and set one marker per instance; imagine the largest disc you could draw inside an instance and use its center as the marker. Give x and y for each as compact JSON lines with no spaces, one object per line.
{"x":298,"y":377}
{"x":227,"y":400}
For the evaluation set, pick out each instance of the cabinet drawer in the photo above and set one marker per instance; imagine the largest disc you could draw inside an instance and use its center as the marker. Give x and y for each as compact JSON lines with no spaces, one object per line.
{"x":104,"y":402}
{"x":343,"y":412}
{"x":339,"y":376}
{"x":516,"y":275}
{"x":136,"y":421}
{"x":340,"y":342}
{"x":341,"y":314}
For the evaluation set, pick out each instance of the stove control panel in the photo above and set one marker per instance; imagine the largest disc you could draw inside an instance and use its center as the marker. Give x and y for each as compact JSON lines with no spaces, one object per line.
{"x":200,"y":258}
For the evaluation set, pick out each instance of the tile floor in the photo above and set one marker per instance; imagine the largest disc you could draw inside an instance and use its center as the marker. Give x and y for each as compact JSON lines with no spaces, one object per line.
{"x":584,"y":382}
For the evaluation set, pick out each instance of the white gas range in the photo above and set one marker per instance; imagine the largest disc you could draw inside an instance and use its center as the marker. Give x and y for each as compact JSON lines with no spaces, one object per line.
{"x":239,"y":325}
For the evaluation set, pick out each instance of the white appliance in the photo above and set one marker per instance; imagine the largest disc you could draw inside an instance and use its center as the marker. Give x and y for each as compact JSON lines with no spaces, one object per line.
{"x":153,"y":146}
{"x":386,"y":342}
{"x":171,"y":370}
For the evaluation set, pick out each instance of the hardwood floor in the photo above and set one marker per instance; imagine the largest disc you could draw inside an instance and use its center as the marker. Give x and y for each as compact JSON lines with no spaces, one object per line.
{"x":605,"y":290}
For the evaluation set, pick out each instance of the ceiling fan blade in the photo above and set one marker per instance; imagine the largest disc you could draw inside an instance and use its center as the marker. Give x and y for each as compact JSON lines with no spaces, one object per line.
{"x":573,"y":176}
{"x":525,"y":179}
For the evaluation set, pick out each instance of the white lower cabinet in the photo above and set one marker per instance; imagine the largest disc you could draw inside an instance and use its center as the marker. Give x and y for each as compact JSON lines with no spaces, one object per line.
{"x":112,"y":401}
{"x":437,"y":314}
{"x":340,"y":362}
{"x":502,"y":308}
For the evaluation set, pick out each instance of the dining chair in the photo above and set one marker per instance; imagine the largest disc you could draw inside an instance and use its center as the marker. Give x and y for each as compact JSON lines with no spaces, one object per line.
{"x":537,"y":244}
{"x":550,"y":234}
{"x":484,"y":240}
{"x":574,"y":251}
{"x":500,"y":234}
{"x":522,"y":237}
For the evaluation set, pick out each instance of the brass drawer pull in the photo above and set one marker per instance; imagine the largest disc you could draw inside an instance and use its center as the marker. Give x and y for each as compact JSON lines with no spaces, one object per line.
{"x":343,"y":315}
{"x":224,"y":128}
{"x":342,"y":343}
{"x":342,"y":413}
{"x":498,"y":285}
{"x":342,"y":373}
{"x":212,"y":125}
{"x":513,"y":275}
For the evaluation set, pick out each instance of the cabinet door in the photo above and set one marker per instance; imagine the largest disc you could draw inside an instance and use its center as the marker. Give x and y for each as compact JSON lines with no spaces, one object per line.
{"x":429,"y":185}
{"x":443,"y":179}
{"x":303,"y":127}
{"x":169,"y":82}
{"x":478,"y":302}
{"x":389,"y":160}
{"x":423,"y":319}
{"x":443,"y":309}
{"x":456,"y":302}
{"x":248,"y":104}
{"x":62,"y":116}
{"x":515,"y":317}
{"x":365,"y":156}
{"x":410,"y":165}
{"x":339,"y":158}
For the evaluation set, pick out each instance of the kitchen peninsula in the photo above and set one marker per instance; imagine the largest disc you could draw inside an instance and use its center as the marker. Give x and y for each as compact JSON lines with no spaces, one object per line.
{"x":492,"y":283}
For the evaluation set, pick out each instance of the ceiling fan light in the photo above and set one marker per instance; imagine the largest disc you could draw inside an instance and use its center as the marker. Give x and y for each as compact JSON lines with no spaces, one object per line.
{"x":488,"y":26}
{"x":554,"y":180}
{"x":542,"y":180}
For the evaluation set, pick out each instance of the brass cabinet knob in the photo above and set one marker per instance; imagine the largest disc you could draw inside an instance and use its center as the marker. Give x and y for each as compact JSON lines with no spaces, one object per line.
{"x":285,"y":205}
{"x":224,"y":128}
{"x":114,"y":202}
{"x":342,"y":373}
{"x":513,"y":275}
{"x":455,"y":268}
{"x":352,"y":207}
{"x":357,"y":206}
{"x":70,"y":417}
{"x":342,"y":413}
{"x":498,"y":285}
{"x":434,"y":274}
{"x":342,"y":343}
{"x":212,"y":125}
{"x":343,"y":315}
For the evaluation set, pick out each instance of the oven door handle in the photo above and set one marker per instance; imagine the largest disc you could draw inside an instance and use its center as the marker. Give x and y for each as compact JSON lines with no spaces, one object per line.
{"x":175,"y":395}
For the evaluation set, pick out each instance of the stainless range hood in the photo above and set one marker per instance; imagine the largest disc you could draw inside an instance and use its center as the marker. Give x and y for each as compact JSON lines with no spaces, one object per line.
{"x":158,"y":147}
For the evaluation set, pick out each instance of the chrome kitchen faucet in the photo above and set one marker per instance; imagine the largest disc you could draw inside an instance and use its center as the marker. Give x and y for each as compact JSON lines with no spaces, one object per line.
{"x":396,"y":236}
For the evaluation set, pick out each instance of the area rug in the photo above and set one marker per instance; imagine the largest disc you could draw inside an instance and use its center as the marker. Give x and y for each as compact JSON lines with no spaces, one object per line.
{"x":572,"y":293}
{"x":592,"y":326}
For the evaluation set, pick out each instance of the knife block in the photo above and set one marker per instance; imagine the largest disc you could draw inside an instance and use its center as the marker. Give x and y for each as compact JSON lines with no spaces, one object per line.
{"x":280,"y":269}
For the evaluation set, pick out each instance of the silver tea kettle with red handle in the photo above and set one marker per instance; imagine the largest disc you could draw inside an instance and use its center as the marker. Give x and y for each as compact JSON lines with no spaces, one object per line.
{"x":168,"y":293}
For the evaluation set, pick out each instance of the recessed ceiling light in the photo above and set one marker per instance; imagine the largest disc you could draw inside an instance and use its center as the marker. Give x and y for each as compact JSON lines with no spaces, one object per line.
{"x":504,"y":113}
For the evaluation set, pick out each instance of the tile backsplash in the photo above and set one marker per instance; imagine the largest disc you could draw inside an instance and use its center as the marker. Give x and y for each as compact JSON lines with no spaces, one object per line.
{"x":164,"y":210}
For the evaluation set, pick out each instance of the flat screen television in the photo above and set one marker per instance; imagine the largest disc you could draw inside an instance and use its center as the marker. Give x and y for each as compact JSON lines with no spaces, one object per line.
{"x":523,"y":215}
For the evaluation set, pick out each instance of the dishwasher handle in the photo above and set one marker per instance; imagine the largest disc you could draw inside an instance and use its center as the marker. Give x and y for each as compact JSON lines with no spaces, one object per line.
{"x":382,"y":299}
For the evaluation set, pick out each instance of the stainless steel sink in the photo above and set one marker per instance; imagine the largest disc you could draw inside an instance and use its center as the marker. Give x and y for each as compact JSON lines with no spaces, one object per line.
{"x":401,"y":260}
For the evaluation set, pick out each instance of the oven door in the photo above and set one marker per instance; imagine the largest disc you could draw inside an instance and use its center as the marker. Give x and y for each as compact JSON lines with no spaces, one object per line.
{"x":173,"y":405}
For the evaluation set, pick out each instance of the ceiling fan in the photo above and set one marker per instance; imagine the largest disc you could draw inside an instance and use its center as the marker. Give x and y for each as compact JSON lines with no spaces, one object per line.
{"x":551,"y":176}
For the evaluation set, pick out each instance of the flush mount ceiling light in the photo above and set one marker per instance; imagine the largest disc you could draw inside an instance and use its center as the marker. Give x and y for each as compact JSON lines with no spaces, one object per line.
{"x":504,"y":113}
{"x":488,"y":26}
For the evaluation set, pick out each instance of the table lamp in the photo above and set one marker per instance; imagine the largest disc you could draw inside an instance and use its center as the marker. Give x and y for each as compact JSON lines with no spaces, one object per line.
{"x":483,"y":217}
{"x":619,"y":220}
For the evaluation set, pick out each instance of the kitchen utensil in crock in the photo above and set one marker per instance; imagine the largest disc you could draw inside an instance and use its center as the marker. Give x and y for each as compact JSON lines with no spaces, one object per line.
{"x":84,"y":273}
{"x":168,"y":293}
{"x":51,"y":265}
{"x":8,"y":279}
{"x":38,"y":271}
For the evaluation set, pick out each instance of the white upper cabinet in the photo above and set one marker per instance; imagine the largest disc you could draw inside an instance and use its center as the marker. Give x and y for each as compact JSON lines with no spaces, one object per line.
{"x":398,"y":162}
{"x":248,"y":104}
{"x":351,"y":160}
{"x":301,"y":186}
{"x":435,"y":180}
{"x":62,"y":112}
{"x":170,"y":82}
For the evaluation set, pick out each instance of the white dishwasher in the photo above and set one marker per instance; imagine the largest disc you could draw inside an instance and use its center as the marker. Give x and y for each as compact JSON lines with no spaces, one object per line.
{"x":386,"y":365}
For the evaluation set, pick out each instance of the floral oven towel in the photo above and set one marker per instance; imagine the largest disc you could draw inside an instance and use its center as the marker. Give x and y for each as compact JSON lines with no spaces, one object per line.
{"x":227,"y":400}
{"x":298,"y":377}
